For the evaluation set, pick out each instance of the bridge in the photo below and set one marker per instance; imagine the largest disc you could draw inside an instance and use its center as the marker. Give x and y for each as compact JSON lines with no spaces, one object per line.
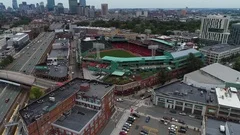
{"x":17,"y":79}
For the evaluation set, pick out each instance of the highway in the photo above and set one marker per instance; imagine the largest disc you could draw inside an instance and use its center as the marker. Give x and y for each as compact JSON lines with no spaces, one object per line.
{"x":31,"y":54}
{"x":7,"y":91}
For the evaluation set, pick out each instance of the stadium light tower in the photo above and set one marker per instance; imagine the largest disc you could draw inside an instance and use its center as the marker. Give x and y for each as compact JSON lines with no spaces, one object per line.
{"x":98,"y":46}
{"x":153,"y":48}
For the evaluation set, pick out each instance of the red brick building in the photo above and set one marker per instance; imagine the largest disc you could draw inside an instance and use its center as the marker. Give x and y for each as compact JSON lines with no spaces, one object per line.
{"x":80,"y":107}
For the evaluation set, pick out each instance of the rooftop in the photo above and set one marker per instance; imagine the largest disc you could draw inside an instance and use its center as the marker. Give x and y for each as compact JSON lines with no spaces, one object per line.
{"x":227,"y":97}
{"x":59,"y":71}
{"x":78,"y":118}
{"x":162,"y":41}
{"x":43,"y":105}
{"x":222,"y":72}
{"x":59,"y":53}
{"x":233,"y":128}
{"x":219,"y":48}
{"x":183,"y":53}
{"x":183,"y":91}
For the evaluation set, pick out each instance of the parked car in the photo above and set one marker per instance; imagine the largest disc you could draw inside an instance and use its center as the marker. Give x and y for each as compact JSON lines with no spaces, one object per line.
{"x":119,"y":100}
{"x":182,"y":130}
{"x":132,"y":117}
{"x":173,"y":119}
{"x":125,"y":129}
{"x":192,"y":116}
{"x":182,"y":113}
{"x":135,"y":115}
{"x":123,"y":133}
{"x":147,"y":119}
{"x":173,"y":111}
{"x":181,"y":121}
{"x":128,"y":124}
{"x":143,"y":132}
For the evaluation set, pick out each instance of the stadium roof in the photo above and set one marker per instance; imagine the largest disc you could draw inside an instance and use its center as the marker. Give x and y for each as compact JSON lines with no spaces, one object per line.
{"x":219,"y":48}
{"x":134,"y":59}
{"x":162,"y":41}
{"x":222,"y":72}
{"x":183,"y":53}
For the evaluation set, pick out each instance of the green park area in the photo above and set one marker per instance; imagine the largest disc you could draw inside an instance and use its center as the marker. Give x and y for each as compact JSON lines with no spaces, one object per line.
{"x":36,"y":92}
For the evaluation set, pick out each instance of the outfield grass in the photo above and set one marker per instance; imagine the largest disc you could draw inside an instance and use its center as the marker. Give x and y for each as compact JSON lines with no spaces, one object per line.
{"x":114,"y":53}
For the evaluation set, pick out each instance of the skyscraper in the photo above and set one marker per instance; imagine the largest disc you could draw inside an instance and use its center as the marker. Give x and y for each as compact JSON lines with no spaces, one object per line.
{"x":73,"y":6}
{"x":82,"y":3}
{"x":50,"y":5}
{"x":14,"y":4}
{"x":234,"y":37}
{"x":214,"y":29}
{"x":104,"y":9}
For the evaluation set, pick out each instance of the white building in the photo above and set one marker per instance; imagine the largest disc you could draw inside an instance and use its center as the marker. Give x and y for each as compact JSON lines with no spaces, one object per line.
{"x":142,"y":14}
{"x":215,"y":53}
{"x":215,"y":28}
{"x":212,"y":76}
{"x":228,"y":103}
{"x":18,"y":40}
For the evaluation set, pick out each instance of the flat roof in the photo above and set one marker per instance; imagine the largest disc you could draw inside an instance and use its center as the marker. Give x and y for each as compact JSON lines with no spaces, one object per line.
{"x":43,"y":105}
{"x":222,"y":72}
{"x":118,"y":73}
{"x":184,"y":53}
{"x":212,"y":127}
{"x":162,"y":41}
{"x":200,"y":77}
{"x":58,"y":53}
{"x":233,"y":128}
{"x":134,"y":59}
{"x":227,"y":98}
{"x":219,"y":48}
{"x":188,"y":92}
{"x":62,"y":71}
{"x":78,"y":118}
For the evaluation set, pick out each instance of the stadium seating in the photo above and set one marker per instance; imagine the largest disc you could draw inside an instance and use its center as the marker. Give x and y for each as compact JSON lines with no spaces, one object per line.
{"x":143,"y":51}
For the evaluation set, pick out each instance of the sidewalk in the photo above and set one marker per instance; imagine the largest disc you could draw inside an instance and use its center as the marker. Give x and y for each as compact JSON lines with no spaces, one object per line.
{"x":120,"y":123}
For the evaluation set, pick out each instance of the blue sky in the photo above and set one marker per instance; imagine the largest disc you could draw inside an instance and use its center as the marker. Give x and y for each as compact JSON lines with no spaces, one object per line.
{"x":148,"y":3}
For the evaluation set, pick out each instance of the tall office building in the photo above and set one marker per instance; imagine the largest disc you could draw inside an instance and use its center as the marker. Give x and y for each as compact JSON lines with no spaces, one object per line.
{"x":214,"y":29}
{"x":73,"y":4}
{"x":82,"y":3}
{"x":104,"y":9}
{"x":50,"y":5}
{"x":14,"y":4}
{"x":41,"y":7}
{"x":234,"y":37}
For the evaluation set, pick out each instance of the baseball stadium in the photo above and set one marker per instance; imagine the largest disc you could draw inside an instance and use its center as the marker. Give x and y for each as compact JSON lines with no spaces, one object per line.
{"x":132,"y":64}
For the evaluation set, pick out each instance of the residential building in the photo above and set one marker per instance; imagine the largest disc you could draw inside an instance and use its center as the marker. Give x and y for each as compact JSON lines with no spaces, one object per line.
{"x":214,"y":29}
{"x":104,"y":10}
{"x":212,"y":76}
{"x":183,"y":97}
{"x":234,"y":37}
{"x":73,"y":4}
{"x":215,"y":53}
{"x":14,"y":4}
{"x":79,"y":107}
{"x":50,"y":5}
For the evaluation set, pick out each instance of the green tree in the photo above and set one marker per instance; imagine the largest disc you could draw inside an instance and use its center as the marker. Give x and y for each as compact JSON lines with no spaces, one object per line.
{"x":236,"y":64}
{"x":36,"y":93}
{"x":83,"y":23}
{"x":164,"y":76}
{"x":194,"y":63}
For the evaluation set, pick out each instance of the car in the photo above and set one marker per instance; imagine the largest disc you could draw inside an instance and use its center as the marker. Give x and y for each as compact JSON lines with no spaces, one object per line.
{"x":132,"y":117}
{"x":143,"y":132}
{"x":125,"y":129}
{"x":119,"y":100}
{"x":192,"y":116}
{"x":130,"y":121}
{"x":181,"y":121}
{"x":147,"y":119}
{"x":135,"y":115}
{"x":182,"y":113}
{"x":162,"y":120}
{"x":173,"y":119}
{"x":173,"y":111}
{"x":174,"y":126}
{"x":123,"y":133}
{"x":182,"y":130}
{"x":7,"y":100}
{"x":165,"y":123}
{"x":128,"y":124}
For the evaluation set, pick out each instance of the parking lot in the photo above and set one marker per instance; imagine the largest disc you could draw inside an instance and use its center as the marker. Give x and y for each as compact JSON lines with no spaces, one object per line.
{"x":154,"y":127}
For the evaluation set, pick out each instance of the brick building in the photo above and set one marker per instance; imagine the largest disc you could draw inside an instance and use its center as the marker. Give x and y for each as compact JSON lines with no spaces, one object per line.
{"x":80,"y":107}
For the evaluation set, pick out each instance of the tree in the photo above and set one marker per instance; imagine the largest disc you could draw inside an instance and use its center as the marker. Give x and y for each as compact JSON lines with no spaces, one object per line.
{"x":236,"y":65}
{"x":164,"y":76}
{"x":36,"y":93}
{"x":194,"y":63}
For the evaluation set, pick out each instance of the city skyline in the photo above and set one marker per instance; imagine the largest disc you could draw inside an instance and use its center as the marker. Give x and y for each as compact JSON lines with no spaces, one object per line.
{"x":144,"y":3}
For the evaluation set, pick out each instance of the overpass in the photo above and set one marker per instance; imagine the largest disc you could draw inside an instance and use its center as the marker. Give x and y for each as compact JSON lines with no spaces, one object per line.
{"x":17,"y":78}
